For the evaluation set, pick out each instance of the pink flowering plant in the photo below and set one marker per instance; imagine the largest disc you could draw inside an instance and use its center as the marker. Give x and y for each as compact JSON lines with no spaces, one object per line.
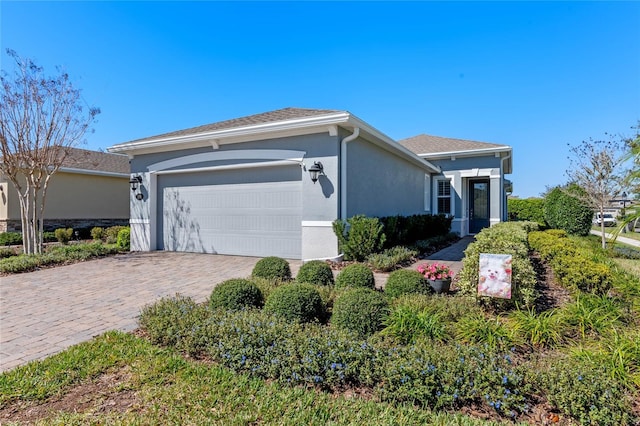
{"x":435,"y":271}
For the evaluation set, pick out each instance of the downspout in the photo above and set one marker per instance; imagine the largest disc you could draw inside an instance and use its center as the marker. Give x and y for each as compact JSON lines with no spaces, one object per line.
{"x":505,"y":206}
{"x":343,"y":171}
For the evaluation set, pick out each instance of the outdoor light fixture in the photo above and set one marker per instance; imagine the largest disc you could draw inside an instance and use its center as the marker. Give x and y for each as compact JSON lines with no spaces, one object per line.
{"x":315,"y":171}
{"x":135,"y":181}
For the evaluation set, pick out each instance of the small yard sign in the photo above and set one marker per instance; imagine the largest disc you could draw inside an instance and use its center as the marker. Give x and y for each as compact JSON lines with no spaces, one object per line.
{"x":495,"y":275}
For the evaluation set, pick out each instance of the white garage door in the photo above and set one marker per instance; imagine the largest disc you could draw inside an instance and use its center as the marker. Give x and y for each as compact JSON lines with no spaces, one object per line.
{"x":250,"y":219}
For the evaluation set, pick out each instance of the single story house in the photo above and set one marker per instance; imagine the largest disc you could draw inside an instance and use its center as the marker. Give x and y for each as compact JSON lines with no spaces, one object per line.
{"x":271,"y":184}
{"x":90,"y":189}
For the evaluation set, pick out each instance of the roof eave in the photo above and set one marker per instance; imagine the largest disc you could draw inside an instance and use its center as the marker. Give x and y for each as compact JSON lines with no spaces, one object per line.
{"x":316,"y":124}
{"x":473,"y":153}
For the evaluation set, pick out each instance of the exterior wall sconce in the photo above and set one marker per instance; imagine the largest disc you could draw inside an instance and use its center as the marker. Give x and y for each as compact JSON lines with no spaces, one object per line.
{"x":135,"y":182}
{"x":315,"y":171}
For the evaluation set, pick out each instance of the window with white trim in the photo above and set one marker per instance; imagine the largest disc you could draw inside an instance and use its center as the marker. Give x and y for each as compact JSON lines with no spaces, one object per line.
{"x":443,"y":196}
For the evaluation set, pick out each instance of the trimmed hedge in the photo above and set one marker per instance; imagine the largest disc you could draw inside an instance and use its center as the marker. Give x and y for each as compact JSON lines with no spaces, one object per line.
{"x":573,"y":266}
{"x":296,"y":302}
{"x":528,"y":209}
{"x":315,"y":272}
{"x":272,"y":267}
{"x":361,"y":311}
{"x":405,"y":281}
{"x":356,"y":275}
{"x":502,"y":238}
{"x":562,"y":210}
{"x":236,"y":294}
{"x":407,"y":230}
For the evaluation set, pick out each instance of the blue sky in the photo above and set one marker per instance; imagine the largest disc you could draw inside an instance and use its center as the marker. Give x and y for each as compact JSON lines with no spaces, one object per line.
{"x":536,"y":76}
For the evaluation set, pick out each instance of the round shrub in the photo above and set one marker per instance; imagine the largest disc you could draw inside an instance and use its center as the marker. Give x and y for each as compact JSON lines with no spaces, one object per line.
{"x":272,"y":267}
{"x":296,"y":302}
{"x":360,"y":310}
{"x":355,"y":275}
{"x":315,"y":272}
{"x":124,"y":239}
{"x":406,"y":281}
{"x":236,"y":294}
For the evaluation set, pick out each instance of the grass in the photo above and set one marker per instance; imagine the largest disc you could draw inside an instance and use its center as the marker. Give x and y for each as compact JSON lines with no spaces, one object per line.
{"x":169,"y":389}
{"x":630,"y":265}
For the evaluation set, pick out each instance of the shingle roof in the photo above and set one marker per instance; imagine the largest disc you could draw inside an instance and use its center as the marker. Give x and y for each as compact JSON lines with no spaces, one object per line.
{"x":84,"y":159}
{"x":427,"y":144}
{"x":262,"y":118}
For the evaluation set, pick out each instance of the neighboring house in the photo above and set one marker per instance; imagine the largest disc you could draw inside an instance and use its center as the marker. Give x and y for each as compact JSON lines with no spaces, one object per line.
{"x":245,"y":187}
{"x":90,"y":189}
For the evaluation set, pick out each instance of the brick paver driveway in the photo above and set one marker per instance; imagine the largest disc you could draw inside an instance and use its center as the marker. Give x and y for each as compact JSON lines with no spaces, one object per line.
{"x":45,"y":312}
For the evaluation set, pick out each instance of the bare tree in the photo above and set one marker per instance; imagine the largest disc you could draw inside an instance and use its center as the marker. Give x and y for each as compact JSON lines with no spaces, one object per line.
{"x":595,"y":167}
{"x":41,"y":118}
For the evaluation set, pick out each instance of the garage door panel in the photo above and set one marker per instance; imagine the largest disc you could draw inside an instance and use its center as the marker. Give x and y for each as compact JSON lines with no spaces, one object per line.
{"x":257,"y":219}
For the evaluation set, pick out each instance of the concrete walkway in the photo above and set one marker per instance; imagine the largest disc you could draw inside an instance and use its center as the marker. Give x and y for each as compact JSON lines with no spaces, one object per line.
{"x":45,"y":312}
{"x":621,"y":238}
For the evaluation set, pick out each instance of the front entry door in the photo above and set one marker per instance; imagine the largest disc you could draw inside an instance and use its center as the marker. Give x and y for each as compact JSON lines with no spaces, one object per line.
{"x":478,"y":205}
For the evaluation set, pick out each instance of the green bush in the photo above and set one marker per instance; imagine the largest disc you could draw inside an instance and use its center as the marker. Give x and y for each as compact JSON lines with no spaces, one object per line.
{"x":406,"y":230}
{"x":355,"y":275}
{"x":528,"y":209}
{"x":270,"y":347}
{"x":315,"y":272}
{"x":392,"y":258}
{"x":173,"y":321}
{"x":53,"y":256}
{"x":563,"y":209}
{"x":360,"y":310}
{"x":405,"y":281}
{"x":585,"y":392}
{"x":10,"y":238}
{"x":359,"y":236}
{"x":502,"y":238}
{"x":574,"y":266}
{"x":124,"y":239}
{"x":7,"y":252}
{"x":97,"y":233}
{"x":64,"y":235}
{"x":296,"y":302}
{"x":272,"y":267}
{"x":236,"y":294}
{"x":449,"y":377}
{"x":111,"y":234}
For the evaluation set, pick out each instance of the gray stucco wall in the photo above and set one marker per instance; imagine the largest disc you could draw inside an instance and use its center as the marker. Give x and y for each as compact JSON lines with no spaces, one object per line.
{"x":380,"y":183}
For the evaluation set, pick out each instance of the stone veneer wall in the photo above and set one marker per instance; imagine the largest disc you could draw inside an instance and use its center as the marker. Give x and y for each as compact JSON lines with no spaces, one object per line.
{"x":53,"y":224}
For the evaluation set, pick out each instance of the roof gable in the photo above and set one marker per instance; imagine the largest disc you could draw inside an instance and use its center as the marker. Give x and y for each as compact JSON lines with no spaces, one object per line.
{"x":427,"y":144}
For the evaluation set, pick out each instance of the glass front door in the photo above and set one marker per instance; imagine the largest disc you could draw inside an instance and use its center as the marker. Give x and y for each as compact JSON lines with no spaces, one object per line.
{"x":478,"y":205}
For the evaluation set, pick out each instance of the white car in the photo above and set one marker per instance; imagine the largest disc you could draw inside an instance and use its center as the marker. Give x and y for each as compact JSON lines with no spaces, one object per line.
{"x":607,"y":218}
